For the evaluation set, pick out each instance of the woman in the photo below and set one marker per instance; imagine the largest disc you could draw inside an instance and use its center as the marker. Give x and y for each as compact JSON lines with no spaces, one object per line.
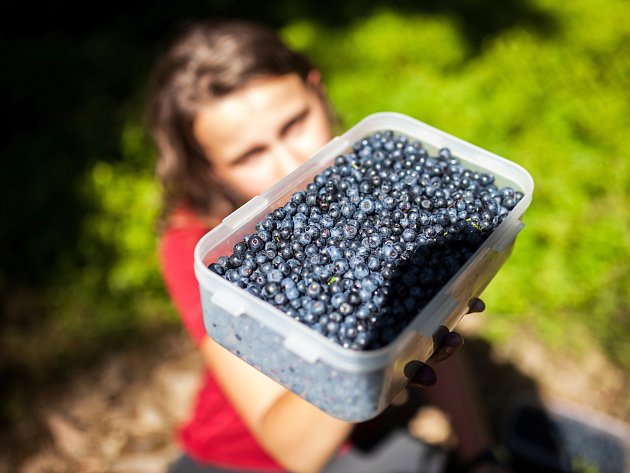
{"x":232,"y":110}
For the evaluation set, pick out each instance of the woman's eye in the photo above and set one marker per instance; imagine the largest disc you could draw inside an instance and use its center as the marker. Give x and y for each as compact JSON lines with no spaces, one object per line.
{"x":248,"y":158}
{"x":295,"y":124}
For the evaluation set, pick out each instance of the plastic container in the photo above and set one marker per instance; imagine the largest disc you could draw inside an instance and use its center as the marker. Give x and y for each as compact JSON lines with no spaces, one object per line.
{"x":351,"y":385}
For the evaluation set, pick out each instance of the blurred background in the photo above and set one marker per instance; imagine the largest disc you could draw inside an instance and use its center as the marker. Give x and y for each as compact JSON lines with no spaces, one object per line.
{"x":87,"y":335}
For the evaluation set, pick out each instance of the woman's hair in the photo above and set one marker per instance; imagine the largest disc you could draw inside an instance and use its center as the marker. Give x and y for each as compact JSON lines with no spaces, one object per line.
{"x":209,"y":60}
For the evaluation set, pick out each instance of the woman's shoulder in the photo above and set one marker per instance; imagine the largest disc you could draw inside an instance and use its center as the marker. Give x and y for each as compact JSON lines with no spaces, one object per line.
{"x":184,"y":219}
{"x":177,"y":240}
{"x":181,"y":230}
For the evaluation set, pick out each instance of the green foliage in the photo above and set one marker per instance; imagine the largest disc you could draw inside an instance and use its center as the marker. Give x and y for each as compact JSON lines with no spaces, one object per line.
{"x":554,"y":102}
{"x":542,"y":83}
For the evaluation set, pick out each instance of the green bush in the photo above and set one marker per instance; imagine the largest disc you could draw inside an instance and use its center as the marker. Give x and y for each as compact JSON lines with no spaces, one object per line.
{"x":554,"y":101}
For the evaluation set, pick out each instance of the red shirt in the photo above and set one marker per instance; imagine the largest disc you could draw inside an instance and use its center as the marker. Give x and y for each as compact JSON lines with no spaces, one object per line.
{"x":215,"y":433}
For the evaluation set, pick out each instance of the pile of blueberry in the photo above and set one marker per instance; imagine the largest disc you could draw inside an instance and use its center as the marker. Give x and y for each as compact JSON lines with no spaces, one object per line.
{"x":359,"y":252}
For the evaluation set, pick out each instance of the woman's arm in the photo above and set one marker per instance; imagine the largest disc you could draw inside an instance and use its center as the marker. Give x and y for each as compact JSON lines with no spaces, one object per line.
{"x":298,"y":435}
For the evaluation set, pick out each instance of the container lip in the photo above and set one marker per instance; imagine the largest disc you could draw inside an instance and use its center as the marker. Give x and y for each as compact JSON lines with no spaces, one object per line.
{"x":343,"y":358}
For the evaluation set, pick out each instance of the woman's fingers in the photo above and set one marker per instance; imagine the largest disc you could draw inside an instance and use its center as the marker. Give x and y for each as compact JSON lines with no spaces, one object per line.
{"x":424,"y":377}
{"x":452,"y":341}
{"x":476,"y":305}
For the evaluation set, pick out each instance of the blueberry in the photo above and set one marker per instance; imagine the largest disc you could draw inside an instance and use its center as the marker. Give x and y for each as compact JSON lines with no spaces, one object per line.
{"x":409,"y":235}
{"x":240,"y":248}
{"x":254,"y":289}
{"x":509,"y":202}
{"x":298,"y":197}
{"x":345,"y":308}
{"x":255,"y":243}
{"x":245,"y":271}
{"x":271,"y":289}
{"x":348,"y":210}
{"x":235,"y":261}
{"x":334,"y":253}
{"x":374,"y":240}
{"x":332,"y":327}
{"x":374,"y":263}
{"x":314,"y":290}
{"x":340,"y":161}
{"x":362,"y":251}
{"x":361,"y":271}
{"x":318,"y":308}
{"x":389,"y":252}
{"x":367,"y":206}
{"x":340,"y":266}
{"x":337,"y":299}
{"x":275,"y":275}
{"x":292,"y":293}
{"x":327,"y":221}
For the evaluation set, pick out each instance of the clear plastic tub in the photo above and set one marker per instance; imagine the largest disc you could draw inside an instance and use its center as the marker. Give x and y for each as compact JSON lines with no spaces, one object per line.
{"x":348,"y":384}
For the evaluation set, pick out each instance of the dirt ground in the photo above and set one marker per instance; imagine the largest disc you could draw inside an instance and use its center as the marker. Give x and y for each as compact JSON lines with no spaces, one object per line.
{"x":119,"y":416}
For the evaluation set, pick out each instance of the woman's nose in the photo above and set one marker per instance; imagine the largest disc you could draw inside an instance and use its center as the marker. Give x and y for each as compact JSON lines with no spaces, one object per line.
{"x":287,"y":160}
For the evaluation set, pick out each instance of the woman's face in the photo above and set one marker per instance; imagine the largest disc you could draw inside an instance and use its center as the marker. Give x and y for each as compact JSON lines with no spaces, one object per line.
{"x":257,"y":135}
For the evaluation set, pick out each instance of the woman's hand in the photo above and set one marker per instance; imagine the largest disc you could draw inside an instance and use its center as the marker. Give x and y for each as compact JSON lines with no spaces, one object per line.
{"x":425,"y":376}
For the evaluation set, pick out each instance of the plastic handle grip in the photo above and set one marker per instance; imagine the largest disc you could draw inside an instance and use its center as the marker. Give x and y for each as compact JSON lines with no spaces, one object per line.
{"x":508,"y":238}
{"x":302,"y":347}
{"x":228,"y":302}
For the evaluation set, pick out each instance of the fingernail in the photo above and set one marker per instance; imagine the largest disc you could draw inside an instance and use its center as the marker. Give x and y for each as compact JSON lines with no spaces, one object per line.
{"x":476,"y":305}
{"x":453,"y":340}
{"x":425,"y":376}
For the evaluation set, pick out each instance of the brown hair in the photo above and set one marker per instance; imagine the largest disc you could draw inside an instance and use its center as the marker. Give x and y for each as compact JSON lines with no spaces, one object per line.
{"x":208,"y":60}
